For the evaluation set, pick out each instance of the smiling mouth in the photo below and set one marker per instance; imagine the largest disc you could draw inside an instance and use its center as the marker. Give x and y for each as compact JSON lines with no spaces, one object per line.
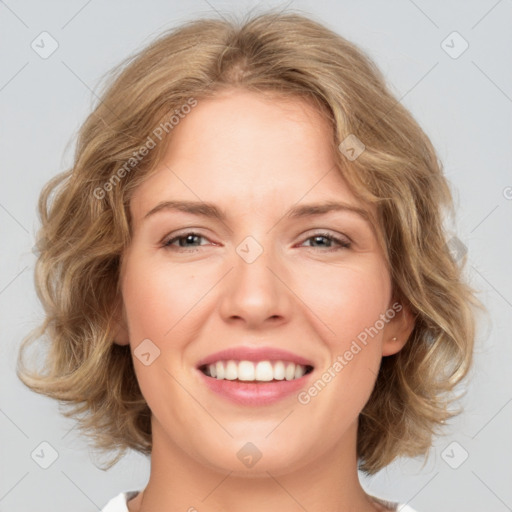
{"x":261,"y":371}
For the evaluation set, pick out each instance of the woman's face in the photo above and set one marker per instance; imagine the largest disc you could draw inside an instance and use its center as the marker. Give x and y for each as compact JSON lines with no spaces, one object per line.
{"x":256,"y":280}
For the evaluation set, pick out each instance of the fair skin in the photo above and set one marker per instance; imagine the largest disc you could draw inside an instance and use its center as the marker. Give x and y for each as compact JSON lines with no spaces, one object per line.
{"x":254,"y":158}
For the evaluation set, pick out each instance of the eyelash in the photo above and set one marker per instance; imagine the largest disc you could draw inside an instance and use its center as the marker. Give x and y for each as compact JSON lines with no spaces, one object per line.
{"x":343,"y":244}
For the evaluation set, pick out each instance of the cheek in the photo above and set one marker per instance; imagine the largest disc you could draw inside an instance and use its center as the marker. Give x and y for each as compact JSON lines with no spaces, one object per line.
{"x":154,"y":300}
{"x":350,"y":304}
{"x":348,"y":299}
{"x":352,"y":299}
{"x":154,"y":304}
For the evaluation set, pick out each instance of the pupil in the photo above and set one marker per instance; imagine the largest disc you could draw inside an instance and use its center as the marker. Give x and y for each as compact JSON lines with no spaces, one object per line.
{"x":188,"y":238}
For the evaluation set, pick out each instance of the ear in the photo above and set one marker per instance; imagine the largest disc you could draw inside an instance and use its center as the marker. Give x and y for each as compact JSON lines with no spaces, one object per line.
{"x":121,"y":335}
{"x":398,"y":329}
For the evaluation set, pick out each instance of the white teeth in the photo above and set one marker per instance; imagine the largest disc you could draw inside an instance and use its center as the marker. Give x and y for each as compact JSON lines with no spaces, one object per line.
{"x":289,"y":373}
{"x":231,"y":370}
{"x":279,"y":370}
{"x":263,"y":371}
{"x":219,"y":369}
{"x":246,"y":370}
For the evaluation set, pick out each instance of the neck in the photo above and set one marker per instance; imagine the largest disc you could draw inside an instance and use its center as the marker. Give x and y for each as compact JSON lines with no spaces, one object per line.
{"x":179,"y":482}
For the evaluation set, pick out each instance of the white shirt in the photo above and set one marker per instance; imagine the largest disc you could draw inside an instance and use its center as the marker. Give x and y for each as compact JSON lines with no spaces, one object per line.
{"x":118,"y":504}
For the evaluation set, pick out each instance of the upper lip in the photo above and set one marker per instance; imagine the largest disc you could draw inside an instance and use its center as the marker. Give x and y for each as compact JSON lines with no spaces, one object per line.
{"x":255,"y":354}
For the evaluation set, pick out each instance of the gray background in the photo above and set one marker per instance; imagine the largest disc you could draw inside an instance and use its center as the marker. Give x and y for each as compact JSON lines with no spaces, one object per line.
{"x":464,"y":105}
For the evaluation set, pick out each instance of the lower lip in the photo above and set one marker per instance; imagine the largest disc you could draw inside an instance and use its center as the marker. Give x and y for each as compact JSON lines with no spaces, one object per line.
{"x":251,"y":393}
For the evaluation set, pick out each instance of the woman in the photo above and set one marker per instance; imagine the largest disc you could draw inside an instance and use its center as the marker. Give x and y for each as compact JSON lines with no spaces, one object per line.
{"x":246,"y":275}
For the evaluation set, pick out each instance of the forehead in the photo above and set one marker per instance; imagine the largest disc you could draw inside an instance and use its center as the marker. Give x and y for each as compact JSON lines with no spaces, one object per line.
{"x":248,"y":151}
{"x":248,"y":129}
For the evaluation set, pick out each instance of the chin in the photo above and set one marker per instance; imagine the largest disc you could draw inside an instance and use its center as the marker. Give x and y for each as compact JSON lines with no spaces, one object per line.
{"x":255,"y":457}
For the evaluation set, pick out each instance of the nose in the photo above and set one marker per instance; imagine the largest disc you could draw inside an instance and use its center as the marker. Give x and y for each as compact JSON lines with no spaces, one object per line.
{"x":255,"y":292}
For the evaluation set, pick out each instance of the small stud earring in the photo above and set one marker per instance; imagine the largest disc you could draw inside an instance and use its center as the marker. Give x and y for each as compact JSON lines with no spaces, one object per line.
{"x":393,"y":338}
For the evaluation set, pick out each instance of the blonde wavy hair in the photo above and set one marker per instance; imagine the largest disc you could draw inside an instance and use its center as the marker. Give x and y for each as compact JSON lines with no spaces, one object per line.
{"x":84,"y":232}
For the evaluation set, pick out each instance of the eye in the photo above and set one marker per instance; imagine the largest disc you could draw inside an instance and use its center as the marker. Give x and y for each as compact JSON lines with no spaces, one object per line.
{"x":188,"y":241}
{"x":184,"y":240}
{"x":341,"y":242}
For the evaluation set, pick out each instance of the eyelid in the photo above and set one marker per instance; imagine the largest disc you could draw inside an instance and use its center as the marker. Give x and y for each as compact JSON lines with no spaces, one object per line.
{"x":182,"y":234}
{"x":342,"y":240}
{"x":327,"y":232}
{"x":312,"y":231}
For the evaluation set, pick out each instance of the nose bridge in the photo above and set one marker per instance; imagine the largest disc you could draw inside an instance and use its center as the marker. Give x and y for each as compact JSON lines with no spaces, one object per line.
{"x":254,"y":293}
{"x":253,"y":261}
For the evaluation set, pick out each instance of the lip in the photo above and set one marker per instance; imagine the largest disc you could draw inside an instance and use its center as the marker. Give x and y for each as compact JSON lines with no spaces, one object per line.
{"x":254,"y":354}
{"x":254,"y":393}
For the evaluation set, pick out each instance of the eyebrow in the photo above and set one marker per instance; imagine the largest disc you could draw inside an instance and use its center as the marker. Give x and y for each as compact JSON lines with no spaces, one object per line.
{"x":210,"y":210}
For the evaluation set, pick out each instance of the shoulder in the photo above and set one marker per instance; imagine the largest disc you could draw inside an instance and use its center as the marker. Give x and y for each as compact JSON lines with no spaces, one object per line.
{"x":119,"y":503}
